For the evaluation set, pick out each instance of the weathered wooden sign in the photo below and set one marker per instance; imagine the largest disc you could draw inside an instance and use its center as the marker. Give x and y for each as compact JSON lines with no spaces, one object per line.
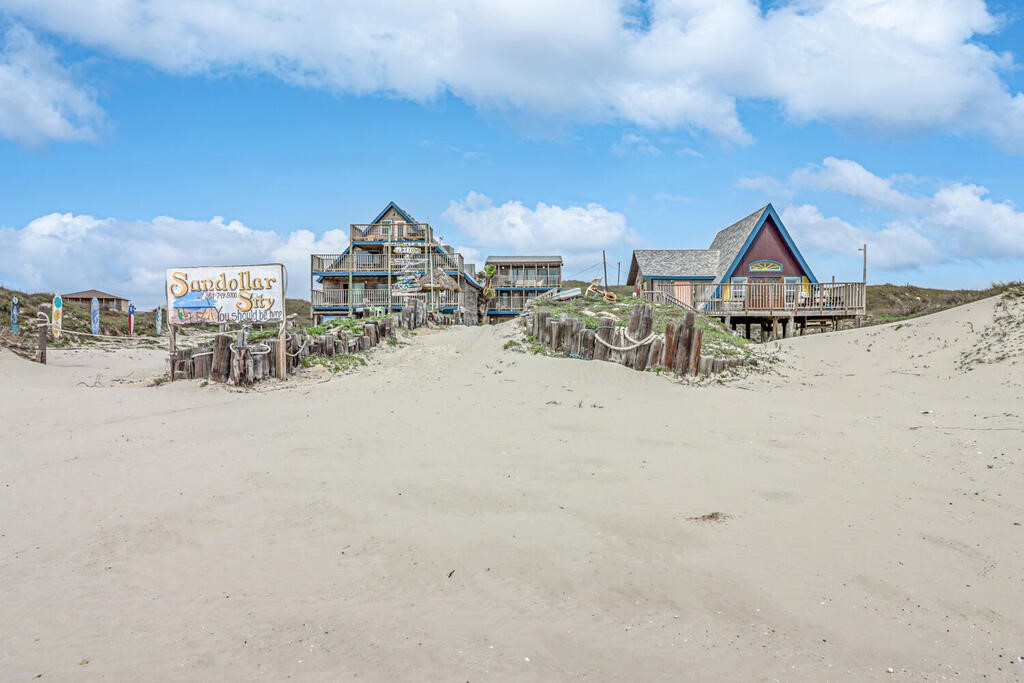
{"x":225,"y":294}
{"x":94,"y":316}
{"x":158,"y":320}
{"x":15,"y":310}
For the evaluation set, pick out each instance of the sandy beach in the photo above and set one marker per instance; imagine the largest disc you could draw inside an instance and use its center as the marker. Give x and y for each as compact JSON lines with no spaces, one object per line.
{"x":458,"y":512}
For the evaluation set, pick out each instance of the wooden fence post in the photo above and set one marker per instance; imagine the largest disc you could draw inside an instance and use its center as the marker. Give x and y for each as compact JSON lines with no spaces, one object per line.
{"x":643,"y":331}
{"x":42,"y":327}
{"x":220,"y":368}
{"x":685,"y":340}
{"x":605,"y":334}
{"x":668,"y":350}
{"x":696,"y":342}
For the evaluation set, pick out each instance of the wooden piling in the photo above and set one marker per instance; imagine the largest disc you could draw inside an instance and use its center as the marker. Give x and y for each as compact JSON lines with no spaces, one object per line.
{"x":668,"y":348}
{"x":220,"y":368}
{"x":604,"y":333}
{"x":696,"y":340}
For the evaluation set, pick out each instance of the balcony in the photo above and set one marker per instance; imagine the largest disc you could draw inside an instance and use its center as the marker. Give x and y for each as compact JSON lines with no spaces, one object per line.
{"x":373,"y":298}
{"x":767,"y":299}
{"x":541,"y":281}
{"x":362,"y":262}
{"x":338,"y":263}
{"x":394,"y":232}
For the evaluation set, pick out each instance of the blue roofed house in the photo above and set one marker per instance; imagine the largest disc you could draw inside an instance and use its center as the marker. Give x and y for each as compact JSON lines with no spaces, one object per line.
{"x":388,"y":262}
{"x":753,"y":272}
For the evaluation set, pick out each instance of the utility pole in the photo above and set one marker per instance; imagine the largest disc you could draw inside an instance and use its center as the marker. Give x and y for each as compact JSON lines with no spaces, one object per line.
{"x":618,"y":275}
{"x":604,"y":260}
{"x":865,"y":250}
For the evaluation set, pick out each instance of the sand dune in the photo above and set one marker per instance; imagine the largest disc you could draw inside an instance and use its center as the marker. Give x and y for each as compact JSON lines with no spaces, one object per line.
{"x":460,"y":512}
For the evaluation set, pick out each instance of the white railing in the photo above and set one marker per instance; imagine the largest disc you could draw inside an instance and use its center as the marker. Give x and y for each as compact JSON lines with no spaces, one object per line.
{"x":505,"y":280}
{"x":394,"y":232}
{"x":368,"y":298}
{"x":325,"y":263}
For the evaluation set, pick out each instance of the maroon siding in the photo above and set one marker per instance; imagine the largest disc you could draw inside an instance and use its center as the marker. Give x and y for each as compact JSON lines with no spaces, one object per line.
{"x":769,"y":245}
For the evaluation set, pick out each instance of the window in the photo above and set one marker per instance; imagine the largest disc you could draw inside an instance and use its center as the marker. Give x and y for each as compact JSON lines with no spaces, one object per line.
{"x":739,"y":288}
{"x":792,"y":287}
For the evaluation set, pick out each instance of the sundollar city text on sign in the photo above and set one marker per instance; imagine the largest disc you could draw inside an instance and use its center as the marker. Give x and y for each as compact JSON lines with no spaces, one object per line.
{"x":249,"y":289}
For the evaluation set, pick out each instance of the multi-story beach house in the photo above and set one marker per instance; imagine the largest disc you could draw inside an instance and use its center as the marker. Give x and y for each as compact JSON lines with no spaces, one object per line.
{"x":519,"y":279}
{"x":752,"y":274}
{"x":388,"y":262}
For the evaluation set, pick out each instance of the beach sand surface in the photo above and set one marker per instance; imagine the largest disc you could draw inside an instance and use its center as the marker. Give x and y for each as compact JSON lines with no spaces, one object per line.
{"x":459,"y":512}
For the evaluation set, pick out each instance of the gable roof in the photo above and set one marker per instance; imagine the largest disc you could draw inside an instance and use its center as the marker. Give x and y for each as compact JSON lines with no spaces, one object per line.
{"x":90,"y":293}
{"x":732,"y":242}
{"x":678,"y":263}
{"x":729,"y":241}
{"x":396,"y":207}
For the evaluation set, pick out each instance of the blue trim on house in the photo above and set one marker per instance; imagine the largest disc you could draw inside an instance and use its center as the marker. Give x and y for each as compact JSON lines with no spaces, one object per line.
{"x":769,"y":211}
{"x":678,"y":277}
{"x":396,"y":207}
{"x":503,"y":312}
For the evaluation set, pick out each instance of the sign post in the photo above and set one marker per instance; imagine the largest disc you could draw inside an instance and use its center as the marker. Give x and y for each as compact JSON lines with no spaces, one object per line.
{"x":94,"y":316}
{"x":157,"y":320}
{"x":14,"y":315}
{"x":131,"y":319}
{"x":57,"y":316}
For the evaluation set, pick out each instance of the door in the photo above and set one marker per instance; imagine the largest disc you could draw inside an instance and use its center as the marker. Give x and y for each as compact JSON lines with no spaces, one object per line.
{"x":765,"y":293}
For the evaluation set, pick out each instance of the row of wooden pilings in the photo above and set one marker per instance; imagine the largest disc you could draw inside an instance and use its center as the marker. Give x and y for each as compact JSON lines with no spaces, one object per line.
{"x":231,"y":360}
{"x":677,"y":350}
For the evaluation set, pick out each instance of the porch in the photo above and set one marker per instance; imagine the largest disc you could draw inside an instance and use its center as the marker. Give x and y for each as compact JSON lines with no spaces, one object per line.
{"x":384,"y":262}
{"x":333,"y":300}
{"x":769,"y":299}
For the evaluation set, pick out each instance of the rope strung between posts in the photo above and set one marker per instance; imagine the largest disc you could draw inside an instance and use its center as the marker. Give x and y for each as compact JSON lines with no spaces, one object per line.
{"x":253,"y":350}
{"x":633,"y":342}
{"x":305,"y":342}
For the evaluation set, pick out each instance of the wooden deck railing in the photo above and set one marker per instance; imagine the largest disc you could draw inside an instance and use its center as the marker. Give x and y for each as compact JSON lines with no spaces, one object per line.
{"x":661,"y":297}
{"x":838,"y":298}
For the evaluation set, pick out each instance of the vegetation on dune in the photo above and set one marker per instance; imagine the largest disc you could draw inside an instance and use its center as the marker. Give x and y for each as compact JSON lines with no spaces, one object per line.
{"x":338,"y":363}
{"x":1003,"y":338}
{"x":889,"y":303}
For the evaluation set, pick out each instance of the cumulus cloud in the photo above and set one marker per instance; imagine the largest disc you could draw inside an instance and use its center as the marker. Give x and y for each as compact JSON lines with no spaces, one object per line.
{"x":633,"y":143}
{"x":69,"y":252}
{"x":665,"y":64}
{"x":892,"y":248}
{"x":849,"y":177}
{"x":578,"y":233}
{"x":958,"y":222}
{"x":39,"y":100}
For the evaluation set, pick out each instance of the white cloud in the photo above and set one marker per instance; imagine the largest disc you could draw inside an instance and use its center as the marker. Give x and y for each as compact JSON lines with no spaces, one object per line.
{"x":849,"y":177}
{"x":38,"y":99}
{"x":900,"y":64}
{"x":578,"y":233}
{"x":633,"y":143}
{"x":891,"y":248}
{"x":958,"y":222}
{"x":69,"y":252}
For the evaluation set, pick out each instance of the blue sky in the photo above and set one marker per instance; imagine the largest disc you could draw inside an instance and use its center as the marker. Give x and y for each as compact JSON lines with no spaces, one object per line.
{"x":139,"y":136}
